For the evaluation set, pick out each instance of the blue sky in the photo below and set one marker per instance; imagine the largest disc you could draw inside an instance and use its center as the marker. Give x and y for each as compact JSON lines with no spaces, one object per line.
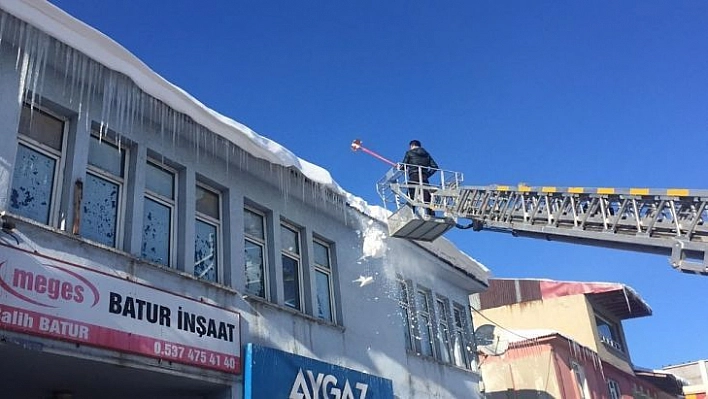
{"x":606,"y":93}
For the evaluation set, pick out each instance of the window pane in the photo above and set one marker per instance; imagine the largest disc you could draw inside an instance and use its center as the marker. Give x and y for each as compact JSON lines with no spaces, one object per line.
{"x":42,"y":127}
{"x":255,"y":283}
{"x":426,"y":347}
{"x":99,"y":210}
{"x":321,"y":255}
{"x":32,"y":184}
{"x":422,"y":302}
{"x":324,"y":303}
{"x":457,"y":314}
{"x":403,"y":304}
{"x":443,"y":331}
{"x":443,"y":343}
{"x":106,"y":156}
{"x":205,"y":251}
{"x":291,"y":282}
{"x":157,"y":220}
{"x":290,"y":240}
{"x":459,"y":350}
{"x":253,"y":224}
{"x":406,"y":327}
{"x":207,"y":203}
{"x":159,"y":181}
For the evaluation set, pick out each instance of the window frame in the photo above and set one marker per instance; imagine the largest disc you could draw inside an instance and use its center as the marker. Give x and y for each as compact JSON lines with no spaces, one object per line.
{"x":207,"y":219}
{"x":581,"y":380}
{"x":297,"y":257}
{"x":615,"y":342}
{"x":120,"y":181}
{"x":59,"y":156}
{"x":263,"y":244}
{"x":170,"y":203}
{"x":614,"y":390}
{"x":425,"y":313}
{"x":329,"y":272}
{"x":463,"y":330}
{"x":406,"y":309}
{"x":443,"y":325}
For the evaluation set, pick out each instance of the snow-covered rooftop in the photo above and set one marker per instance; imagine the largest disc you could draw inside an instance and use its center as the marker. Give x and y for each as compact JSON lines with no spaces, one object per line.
{"x":58,"y":24}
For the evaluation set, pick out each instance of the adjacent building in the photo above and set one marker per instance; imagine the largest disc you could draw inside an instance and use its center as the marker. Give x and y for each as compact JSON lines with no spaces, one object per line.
{"x":694,"y":375}
{"x":152,"y":248}
{"x":563,"y":339}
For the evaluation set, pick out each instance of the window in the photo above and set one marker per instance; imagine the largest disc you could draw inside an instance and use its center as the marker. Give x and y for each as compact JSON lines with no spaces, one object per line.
{"x":443,"y":333}
{"x":101,"y":207}
{"x":580,"y":380}
{"x":459,"y":341}
{"x":323,"y":280}
{"x":36,"y":177}
{"x":207,"y":233}
{"x":425,"y":326}
{"x":290,"y":254}
{"x":404,"y":305}
{"x":614,"y":389}
{"x":609,"y":333}
{"x":158,"y":215}
{"x":255,"y":253}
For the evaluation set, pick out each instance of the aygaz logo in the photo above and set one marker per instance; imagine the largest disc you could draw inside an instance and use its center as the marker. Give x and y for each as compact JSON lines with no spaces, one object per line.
{"x":45,"y":285}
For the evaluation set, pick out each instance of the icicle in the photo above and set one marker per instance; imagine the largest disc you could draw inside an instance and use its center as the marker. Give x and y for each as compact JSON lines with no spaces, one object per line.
{"x":626,"y":298}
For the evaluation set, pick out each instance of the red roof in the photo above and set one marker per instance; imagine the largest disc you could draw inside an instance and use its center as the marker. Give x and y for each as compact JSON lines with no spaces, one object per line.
{"x":619,"y":299}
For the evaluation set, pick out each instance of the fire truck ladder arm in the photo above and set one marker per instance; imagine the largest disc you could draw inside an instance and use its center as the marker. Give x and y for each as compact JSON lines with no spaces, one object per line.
{"x":671,"y":222}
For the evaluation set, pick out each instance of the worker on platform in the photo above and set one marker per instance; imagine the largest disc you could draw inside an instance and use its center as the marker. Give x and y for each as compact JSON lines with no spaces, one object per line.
{"x":420,"y":165}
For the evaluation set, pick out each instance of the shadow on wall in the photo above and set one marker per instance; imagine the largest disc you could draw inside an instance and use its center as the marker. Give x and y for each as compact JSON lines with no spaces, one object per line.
{"x":519,"y":394}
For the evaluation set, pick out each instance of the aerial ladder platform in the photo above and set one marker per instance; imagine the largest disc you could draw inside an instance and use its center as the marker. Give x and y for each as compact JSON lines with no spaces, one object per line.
{"x":670,"y":222}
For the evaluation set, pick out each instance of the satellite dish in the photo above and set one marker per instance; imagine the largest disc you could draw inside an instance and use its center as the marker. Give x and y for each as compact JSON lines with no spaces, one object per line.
{"x":491,"y":340}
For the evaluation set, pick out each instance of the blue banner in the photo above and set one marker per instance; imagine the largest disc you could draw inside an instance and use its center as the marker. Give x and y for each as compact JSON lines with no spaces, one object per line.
{"x":273,"y":374}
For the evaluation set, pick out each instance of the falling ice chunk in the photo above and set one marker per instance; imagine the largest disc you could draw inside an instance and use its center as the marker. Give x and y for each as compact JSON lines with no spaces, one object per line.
{"x":374,"y":243}
{"x":364,"y":280}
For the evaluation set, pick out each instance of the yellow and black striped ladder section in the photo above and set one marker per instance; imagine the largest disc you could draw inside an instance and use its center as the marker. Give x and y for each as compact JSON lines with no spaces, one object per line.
{"x":665,"y":221}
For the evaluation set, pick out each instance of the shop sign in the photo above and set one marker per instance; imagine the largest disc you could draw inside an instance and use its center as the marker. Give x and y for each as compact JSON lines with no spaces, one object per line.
{"x":56,"y":299}
{"x":271,"y":373}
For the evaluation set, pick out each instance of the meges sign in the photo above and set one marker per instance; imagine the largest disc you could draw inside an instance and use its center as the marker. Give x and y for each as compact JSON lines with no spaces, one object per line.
{"x":270,"y":373}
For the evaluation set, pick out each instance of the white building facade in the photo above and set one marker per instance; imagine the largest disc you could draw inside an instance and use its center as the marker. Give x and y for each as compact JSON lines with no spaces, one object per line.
{"x":152,"y":248}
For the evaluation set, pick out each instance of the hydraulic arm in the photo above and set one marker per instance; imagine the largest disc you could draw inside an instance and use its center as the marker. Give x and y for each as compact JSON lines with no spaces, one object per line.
{"x":671,"y":222}
{"x":662,"y":221}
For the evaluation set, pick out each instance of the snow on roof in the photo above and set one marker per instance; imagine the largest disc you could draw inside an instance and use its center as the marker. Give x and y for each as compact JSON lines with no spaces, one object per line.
{"x":619,"y":299}
{"x":84,"y":38}
{"x":521,"y":335}
{"x":76,"y":34}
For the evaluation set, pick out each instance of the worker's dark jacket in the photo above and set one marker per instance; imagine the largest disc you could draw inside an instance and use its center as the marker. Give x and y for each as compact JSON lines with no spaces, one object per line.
{"x":418,"y":156}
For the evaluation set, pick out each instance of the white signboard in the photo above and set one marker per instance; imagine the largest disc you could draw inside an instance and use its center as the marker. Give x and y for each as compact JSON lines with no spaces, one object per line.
{"x":56,"y":299}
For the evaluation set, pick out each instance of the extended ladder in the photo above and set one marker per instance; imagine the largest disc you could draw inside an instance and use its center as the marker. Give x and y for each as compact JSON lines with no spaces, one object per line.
{"x":663,"y":221}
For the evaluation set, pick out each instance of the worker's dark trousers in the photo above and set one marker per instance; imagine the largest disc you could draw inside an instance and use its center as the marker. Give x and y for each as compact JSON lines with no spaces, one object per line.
{"x":414,"y":178}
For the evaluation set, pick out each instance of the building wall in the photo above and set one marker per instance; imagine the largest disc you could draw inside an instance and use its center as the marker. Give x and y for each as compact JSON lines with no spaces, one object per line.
{"x":696,"y":376}
{"x":544,"y":367}
{"x":529,"y":371}
{"x":569,"y":315}
{"x":367,"y":334}
{"x":572,"y":316}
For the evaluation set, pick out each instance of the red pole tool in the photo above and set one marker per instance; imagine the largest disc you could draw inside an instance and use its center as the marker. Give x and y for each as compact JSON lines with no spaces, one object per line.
{"x":356,"y":145}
